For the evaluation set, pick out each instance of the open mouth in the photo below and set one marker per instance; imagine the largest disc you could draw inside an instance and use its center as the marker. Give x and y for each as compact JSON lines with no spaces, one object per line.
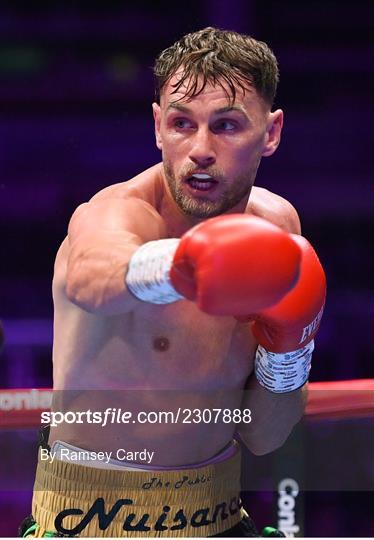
{"x":201,"y":182}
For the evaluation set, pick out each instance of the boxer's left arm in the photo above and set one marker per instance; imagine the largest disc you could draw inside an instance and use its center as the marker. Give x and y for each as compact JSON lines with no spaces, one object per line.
{"x":275,"y":411}
{"x":273,"y":416}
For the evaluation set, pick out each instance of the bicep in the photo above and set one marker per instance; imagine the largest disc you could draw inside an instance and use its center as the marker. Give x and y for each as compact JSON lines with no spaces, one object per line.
{"x":131,"y":218}
{"x":102,"y":237}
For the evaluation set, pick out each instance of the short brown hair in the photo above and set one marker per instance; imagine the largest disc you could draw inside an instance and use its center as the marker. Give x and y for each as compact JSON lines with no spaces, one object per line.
{"x":220,"y":57}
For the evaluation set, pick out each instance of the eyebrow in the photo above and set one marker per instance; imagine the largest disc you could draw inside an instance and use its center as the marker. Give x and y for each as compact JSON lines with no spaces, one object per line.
{"x":221,"y":110}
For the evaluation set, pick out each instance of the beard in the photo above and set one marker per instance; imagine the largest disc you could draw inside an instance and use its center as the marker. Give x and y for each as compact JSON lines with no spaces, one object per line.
{"x":200,"y":207}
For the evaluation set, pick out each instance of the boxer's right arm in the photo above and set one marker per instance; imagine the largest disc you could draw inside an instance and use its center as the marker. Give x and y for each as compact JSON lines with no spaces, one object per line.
{"x":102,"y":237}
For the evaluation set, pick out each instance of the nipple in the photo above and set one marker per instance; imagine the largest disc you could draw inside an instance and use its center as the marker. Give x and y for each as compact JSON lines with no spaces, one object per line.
{"x":161,"y":344}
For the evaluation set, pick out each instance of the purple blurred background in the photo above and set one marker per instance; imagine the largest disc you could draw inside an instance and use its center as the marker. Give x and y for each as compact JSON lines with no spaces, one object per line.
{"x":75,"y":103}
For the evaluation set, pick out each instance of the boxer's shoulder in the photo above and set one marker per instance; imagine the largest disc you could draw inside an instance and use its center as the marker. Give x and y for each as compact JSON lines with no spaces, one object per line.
{"x":129,"y":205}
{"x":274,"y":208}
{"x":145,"y":186}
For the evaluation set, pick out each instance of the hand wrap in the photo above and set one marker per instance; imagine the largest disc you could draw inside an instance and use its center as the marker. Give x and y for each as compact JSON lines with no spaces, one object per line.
{"x":148,"y":274}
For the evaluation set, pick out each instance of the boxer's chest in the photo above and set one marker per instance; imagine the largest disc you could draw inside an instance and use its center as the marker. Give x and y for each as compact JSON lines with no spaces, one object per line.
{"x":180,"y":345}
{"x":168,"y":346}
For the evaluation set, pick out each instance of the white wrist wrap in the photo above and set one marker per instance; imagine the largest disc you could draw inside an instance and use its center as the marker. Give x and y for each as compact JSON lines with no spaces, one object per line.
{"x":283,"y":372}
{"x":148,"y":272}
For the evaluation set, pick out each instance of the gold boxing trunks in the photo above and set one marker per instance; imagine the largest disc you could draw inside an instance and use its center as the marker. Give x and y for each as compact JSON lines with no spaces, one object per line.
{"x":76,"y":500}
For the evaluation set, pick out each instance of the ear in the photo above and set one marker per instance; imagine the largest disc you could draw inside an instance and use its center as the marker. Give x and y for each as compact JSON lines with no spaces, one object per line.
{"x":157,"y":117}
{"x":273,"y":132}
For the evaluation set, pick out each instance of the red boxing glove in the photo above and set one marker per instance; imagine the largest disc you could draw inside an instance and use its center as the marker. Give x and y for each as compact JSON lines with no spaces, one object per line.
{"x":235,"y":265}
{"x":293,"y":322}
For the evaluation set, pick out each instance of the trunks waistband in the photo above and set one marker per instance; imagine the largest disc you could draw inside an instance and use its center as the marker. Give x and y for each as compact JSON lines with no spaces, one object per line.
{"x":74,"y":499}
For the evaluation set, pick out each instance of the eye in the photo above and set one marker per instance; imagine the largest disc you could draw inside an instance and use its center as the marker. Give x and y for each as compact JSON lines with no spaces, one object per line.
{"x":182,"y":123}
{"x":225,"y":125}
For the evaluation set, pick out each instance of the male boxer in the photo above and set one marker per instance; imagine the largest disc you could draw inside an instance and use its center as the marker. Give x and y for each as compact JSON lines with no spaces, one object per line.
{"x":182,"y":287}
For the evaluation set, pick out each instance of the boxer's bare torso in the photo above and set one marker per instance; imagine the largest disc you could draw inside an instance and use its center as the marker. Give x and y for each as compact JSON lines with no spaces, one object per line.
{"x":149,"y":357}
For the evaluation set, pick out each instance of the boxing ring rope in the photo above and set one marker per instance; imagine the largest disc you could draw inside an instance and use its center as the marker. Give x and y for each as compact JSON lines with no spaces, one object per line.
{"x":21,"y":408}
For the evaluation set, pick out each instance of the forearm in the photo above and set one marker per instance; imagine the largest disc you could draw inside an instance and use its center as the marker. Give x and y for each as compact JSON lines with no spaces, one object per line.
{"x":273,"y":416}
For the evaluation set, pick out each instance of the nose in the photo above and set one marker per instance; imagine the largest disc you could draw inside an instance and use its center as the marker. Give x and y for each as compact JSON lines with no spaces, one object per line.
{"x":202,"y":151}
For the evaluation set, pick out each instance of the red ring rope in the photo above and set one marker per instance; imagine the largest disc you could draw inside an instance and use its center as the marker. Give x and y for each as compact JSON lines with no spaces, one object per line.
{"x":21,"y":408}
